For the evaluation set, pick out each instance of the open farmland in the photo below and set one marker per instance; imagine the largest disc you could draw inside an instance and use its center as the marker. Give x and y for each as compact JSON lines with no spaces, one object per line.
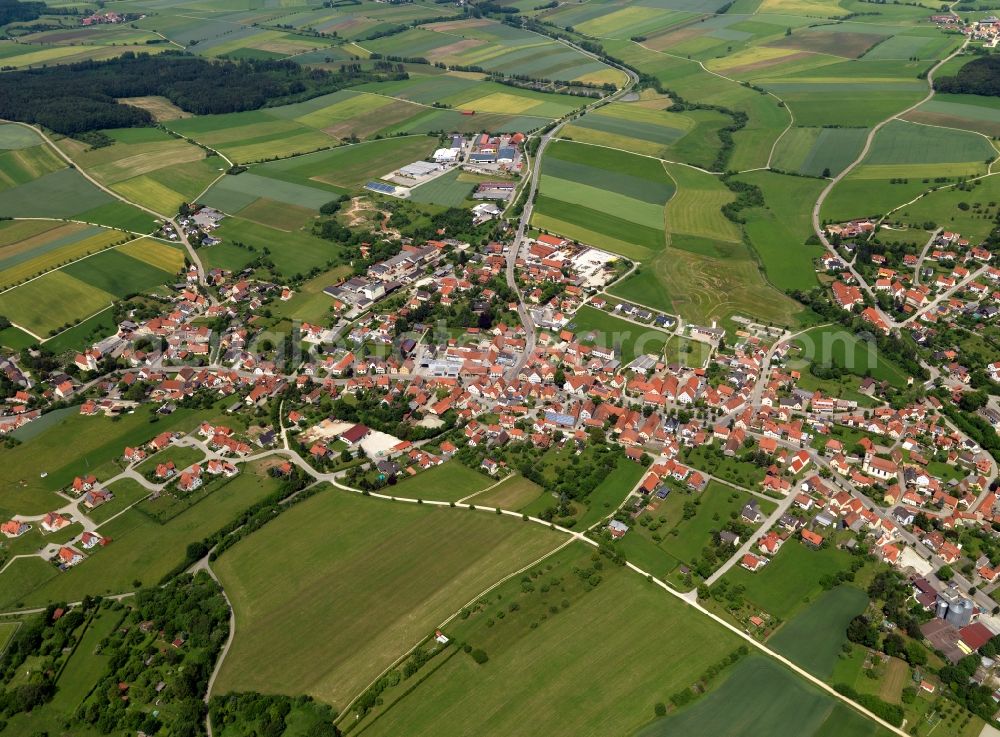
{"x":314,"y":179}
{"x":835,"y":346}
{"x":36,"y":182}
{"x":448,"y":482}
{"x":818,"y":151}
{"x":22,"y":56}
{"x":779,"y":230}
{"x":52,"y":249}
{"x":52,"y":302}
{"x":813,"y":638}
{"x":495,"y":46}
{"x":761,"y":696}
{"x":293,"y":252}
{"x":970,"y":112}
{"x":570,"y":634}
{"x":908,"y":143}
{"x":136,"y":155}
{"x":75,"y":285}
{"x":906,"y":159}
{"x":326,"y":121}
{"x":691,"y":137}
{"x":625,"y":215}
{"x":297,"y":577}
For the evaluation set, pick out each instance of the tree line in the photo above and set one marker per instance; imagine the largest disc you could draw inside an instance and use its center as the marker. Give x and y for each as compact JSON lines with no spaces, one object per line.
{"x":979,"y":77}
{"x":77,"y":98}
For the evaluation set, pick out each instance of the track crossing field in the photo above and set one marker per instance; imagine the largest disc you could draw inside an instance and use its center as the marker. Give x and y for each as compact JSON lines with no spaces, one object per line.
{"x":427,"y":562}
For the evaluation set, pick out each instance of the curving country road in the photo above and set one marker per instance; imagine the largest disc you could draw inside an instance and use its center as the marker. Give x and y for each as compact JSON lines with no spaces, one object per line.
{"x":868,"y":143}
{"x":192,"y":253}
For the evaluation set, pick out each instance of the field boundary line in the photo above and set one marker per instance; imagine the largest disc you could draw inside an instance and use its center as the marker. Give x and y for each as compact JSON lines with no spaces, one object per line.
{"x":249,"y":164}
{"x":136,"y":233}
{"x":70,"y":263}
{"x":83,"y":320}
{"x":192,"y":253}
{"x":700,"y":63}
{"x":23,"y":329}
{"x":491,"y":486}
{"x":633,"y":153}
{"x":11,"y":638}
{"x":445,"y":623}
{"x":690,"y":599}
{"x":989,"y":140}
{"x":863,"y":154}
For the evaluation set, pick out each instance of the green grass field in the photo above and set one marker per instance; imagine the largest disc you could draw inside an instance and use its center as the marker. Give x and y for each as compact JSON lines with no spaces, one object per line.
{"x":778,"y":231}
{"x":813,"y":638}
{"x":348,"y":167}
{"x":86,"y":666}
{"x":835,"y":346}
{"x":629,"y":340}
{"x":714,"y":507}
{"x":791,"y":580}
{"x":970,"y":112}
{"x":7,"y":630}
{"x":48,"y":250}
{"x":645,"y":288}
{"x":943,"y":207}
{"x":52,"y":302}
{"x":908,"y":143}
{"x":763,"y":697}
{"x":624,"y":214}
{"x":560,"y":635}
{"x":323,"y":604}
{"x":453,"y":189}
{"x":610,"y":493}
{"x":448,"y":482}
{"x":293,"y":252}
{"x":819,"y":151}
{"x":513,"y":493}
{"x":127,"y":492}
{"x":695,"y":210}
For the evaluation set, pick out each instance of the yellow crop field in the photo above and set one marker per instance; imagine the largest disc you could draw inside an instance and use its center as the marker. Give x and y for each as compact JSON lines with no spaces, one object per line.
{"x":612,"y":23}
{"x":50,"y":302}
{"x":695,"y":208}
{"x":344,"y":110}
{"x":159,"y":107}
{"x":155,"y":253}
{"x":145,"y":190}
{"x":144,"y":158}
{"x":601,"y":77}
{"x":502,"y":102}
{"x":57,"y":257}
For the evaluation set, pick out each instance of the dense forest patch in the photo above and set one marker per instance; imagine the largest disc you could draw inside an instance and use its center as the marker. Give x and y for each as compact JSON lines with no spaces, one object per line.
{"x":979,"y":77}
{"x":82,"y":97}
